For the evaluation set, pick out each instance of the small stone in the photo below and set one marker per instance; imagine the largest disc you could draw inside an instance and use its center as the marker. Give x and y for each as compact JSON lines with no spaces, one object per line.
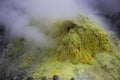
{"x":72,"y":78}
{"x":55,"y":77}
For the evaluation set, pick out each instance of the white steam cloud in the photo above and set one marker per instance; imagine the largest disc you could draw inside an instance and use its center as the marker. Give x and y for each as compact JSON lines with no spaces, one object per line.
{"x":16,"y":15}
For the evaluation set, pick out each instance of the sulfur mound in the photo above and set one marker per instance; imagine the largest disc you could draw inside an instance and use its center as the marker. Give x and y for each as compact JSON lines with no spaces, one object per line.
{"x":81,"y":40}
{"x":83,"y":51}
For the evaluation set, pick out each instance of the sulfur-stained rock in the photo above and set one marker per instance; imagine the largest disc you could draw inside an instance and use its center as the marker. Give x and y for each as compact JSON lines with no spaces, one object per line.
{"x":83,"y":51}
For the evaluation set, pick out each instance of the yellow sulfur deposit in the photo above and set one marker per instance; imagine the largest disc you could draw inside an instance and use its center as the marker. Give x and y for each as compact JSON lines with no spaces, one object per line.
{"x":81,"y":42}
{"x":78,"y":44}
{"x":83,"y":51}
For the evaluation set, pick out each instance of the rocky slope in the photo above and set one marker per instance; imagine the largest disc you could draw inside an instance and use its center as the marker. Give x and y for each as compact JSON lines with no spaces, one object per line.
{"x":82,"y":51}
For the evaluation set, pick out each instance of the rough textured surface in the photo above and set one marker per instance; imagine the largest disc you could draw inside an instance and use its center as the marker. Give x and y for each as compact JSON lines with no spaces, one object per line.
{"x":82,"y":41}
{"x":4,"y":39}
{"x":83,"y":51}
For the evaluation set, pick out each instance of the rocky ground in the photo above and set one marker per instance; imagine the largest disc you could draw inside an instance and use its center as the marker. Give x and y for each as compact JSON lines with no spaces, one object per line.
{"x":3,"y":39}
